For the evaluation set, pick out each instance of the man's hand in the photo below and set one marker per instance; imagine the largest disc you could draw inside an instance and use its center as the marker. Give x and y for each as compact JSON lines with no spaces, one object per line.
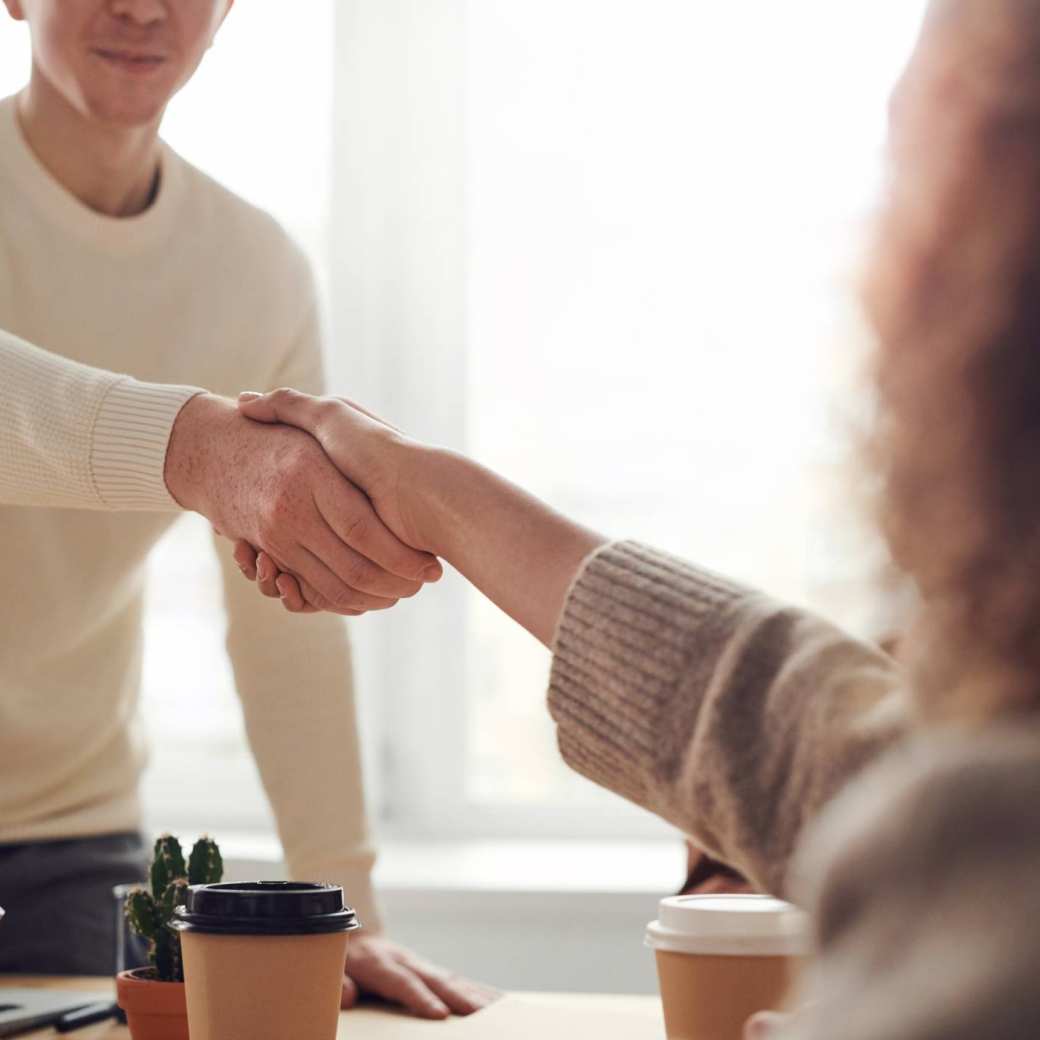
{"x":371,"y":453}
{"x":380,"y":968}
{"x":275,"y":488}
{"x":390,"y":467}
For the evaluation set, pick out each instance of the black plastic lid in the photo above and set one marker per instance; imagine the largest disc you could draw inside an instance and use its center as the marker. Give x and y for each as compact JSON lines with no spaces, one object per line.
{"x":265,"y":908}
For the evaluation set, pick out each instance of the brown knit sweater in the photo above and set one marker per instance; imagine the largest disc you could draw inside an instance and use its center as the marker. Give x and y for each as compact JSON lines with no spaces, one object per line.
{"x":740,"y":720}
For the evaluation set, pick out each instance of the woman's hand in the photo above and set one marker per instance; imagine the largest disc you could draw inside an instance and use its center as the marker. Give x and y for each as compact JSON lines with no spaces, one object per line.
{"x":275,"y":487}
{"x":371,"y":453}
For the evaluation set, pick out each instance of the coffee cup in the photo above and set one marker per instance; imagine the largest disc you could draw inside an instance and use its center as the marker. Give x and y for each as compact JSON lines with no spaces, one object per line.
{"x":264,"y":960}
{"x":721,"y":958}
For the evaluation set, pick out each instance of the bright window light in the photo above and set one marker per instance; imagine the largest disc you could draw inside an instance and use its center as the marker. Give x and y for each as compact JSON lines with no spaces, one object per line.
{"x":665,"y":205}
{"x":667,"y":202}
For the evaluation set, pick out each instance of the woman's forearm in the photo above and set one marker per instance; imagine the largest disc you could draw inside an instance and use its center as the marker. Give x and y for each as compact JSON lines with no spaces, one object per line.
{"x":519,"y":552}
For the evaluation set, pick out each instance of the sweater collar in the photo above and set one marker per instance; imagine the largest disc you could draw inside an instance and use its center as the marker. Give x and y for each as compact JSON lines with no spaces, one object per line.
{"x":62,"y":209}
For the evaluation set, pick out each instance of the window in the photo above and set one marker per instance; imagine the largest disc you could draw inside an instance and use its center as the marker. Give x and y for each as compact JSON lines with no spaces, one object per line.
{"x":14,"y":57}
{"x":606,"y":247}
{"x":665,"y":200}
{"x":642,"y":221}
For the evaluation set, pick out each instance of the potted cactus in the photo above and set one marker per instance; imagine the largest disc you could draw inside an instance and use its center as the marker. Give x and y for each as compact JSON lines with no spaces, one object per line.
{"x":153,"y":997}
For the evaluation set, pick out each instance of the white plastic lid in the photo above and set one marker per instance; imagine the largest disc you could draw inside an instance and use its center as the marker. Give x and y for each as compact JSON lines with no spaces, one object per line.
{"x":729,"y":925}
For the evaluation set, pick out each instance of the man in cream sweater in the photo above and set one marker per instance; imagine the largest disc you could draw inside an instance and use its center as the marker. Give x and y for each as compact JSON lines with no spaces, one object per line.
{"x":116,"y":254}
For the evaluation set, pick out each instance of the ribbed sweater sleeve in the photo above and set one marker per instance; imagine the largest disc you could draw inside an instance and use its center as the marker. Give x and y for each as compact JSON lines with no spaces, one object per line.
{"x":732,"y":716}
{"x":80,"y":437}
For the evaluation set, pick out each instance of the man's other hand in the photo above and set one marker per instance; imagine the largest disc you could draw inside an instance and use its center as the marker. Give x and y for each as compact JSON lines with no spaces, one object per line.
{"x":380,"y":968}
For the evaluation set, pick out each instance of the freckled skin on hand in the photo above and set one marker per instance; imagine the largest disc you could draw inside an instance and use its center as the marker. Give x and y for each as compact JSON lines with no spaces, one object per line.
{"x":274,"y":487}
{"x":237,"y":472}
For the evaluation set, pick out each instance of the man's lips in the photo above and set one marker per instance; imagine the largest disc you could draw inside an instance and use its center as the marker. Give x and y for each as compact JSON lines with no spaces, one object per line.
{"x":130,"y":61}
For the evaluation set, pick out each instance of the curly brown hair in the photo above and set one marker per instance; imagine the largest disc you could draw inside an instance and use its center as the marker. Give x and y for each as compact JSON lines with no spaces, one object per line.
{"x":954,"y":295}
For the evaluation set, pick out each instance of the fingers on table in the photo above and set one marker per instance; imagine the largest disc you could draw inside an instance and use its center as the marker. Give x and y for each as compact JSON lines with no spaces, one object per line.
{"x":351,"y":993}
{"x":461,"y":995}
{"x":398,"y":983}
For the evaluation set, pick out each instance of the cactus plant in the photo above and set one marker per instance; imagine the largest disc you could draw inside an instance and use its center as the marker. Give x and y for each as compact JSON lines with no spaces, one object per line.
{"x":149,"y":912}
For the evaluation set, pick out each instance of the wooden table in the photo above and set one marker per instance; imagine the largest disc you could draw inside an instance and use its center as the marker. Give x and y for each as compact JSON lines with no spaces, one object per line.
{"x":518,"y":1016}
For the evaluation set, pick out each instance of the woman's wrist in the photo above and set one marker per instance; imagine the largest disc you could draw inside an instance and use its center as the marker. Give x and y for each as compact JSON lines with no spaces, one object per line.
{"x":431,"y":485}
{"x":518,"y":551}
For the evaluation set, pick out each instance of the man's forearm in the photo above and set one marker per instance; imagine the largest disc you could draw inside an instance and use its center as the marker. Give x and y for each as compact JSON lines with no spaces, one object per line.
{"x":519,"y":552}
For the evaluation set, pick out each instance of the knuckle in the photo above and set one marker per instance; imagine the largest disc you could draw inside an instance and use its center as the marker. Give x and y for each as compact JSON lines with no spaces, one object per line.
{"x":325,"y":407}
{"x":273,"y":508}
{"x":283,"y":502}
{"x":270,"y":530}
{"x":356,"y":529}
{"x":361,"y":574}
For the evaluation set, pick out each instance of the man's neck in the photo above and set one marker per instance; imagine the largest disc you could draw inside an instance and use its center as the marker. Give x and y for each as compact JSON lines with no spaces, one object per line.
{"x":112,"y":169}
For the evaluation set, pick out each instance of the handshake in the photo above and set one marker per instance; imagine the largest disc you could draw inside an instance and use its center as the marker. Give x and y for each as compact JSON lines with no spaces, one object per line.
{"x":323,"y":501}
{"x":332,"y":509}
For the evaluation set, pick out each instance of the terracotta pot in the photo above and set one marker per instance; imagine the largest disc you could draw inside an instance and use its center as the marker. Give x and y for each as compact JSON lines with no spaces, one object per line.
{"x":154,"y":1010}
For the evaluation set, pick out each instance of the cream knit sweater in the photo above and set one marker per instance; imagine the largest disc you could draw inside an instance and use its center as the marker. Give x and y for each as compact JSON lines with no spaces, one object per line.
{"x":200,"y":290}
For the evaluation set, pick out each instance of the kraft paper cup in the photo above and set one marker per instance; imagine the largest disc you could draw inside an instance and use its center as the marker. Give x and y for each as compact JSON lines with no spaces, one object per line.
{"x":721,"y":958}
{"x":264,"y":961}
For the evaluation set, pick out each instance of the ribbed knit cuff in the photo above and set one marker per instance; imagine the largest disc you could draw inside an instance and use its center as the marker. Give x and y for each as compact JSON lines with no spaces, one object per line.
{"x":623,"y":653}
{"x":130,"y":436}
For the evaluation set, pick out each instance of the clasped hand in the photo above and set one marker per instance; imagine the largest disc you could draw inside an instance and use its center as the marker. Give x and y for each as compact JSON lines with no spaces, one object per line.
{"x":370,"y":456}
{"x":275,"y":490}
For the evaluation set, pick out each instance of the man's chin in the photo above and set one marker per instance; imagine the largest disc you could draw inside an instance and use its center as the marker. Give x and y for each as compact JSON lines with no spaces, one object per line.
{"x":124,"y":110}
{"x":125,"y":118}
